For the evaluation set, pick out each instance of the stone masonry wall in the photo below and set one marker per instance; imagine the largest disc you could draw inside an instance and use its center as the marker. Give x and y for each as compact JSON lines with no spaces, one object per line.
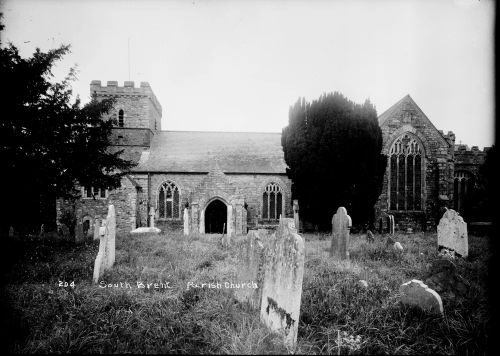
{"x":438,"y":163}
{"x":194,"y":186}
{"x":124,"y":199}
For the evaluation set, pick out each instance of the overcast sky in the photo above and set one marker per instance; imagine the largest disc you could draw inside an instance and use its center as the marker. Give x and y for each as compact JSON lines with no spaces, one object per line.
{"x":240,"y":65}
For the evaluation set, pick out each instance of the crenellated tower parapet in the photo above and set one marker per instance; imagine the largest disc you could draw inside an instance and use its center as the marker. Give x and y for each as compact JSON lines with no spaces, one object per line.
{"x":139,"y":106}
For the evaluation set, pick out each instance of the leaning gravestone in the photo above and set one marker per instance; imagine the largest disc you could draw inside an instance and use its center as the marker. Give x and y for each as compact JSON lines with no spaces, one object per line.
{"x":416,"y":293}
{"x":341,"y":223}
{"x":282,"y":287}
{"x":250,"y":270}
{"x":452,"y":233}
{"x":106,"y":255}
{"x":186,"y":222}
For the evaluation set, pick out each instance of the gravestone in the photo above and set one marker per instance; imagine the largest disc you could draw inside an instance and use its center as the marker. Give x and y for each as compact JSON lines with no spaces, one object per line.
{"x":186,"y":222}
{"x":341,"y":224}
{"x":11,"y":231}
{"x":392,"y":225}
{"x":42,"y":231}
{"x":79,"y":237}
{"x":282,"y":287}
{"x":296,"y":214}
{"x":397,"y":247}
{"x":106,"y":255}
{"x":452,"y":233}
{"x":416,"y":293}
{"x":64,"y":231}
{"x":250,"y":269}
{"x":389,"y":242}
{"x":151,"y":217}
{"x":369,"y":236}
{"x":96,"y":228}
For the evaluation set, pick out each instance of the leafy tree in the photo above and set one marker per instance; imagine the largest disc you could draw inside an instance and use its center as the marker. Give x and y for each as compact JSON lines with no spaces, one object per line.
{"x":48,"y":144}
{"x":333,"y":149}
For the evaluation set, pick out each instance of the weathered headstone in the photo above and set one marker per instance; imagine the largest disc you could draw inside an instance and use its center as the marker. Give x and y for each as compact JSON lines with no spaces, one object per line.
{"x":42,"y":231}
{"x":390,"y":241}
{"x":79,"y":237}
{"x":96,"y":228}
{"x":341,"y":224}
{"x":151,"y":217}
{"x":64,"y":231}
{"x":416,"y":293}
{"x":250,"y":270}
{"x":296,"y":215}
{"x":369,"y":236}
{"x":452,"y":233}
{"x":106,"y":255}
{"x":397,"y":247}
{"x":186,"y":221}
{"x":146,"y":230}
{"x":11,"y":231}
{"x":282,"y":287}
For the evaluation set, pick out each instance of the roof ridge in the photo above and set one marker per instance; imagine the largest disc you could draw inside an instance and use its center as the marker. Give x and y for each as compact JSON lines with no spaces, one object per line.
{"x":200,"y":131}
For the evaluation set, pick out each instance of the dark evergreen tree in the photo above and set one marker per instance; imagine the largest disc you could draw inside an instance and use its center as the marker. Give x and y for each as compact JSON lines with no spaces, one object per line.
{"x":333,"y":149}
{"x":48,"y":144}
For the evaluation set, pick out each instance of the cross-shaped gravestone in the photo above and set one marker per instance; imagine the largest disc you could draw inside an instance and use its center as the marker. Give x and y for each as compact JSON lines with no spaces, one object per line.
{"x":341,"y":224}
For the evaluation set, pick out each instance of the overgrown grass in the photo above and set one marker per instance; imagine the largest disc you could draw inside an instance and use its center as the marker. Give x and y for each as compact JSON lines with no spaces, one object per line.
{"x":41,"y":316}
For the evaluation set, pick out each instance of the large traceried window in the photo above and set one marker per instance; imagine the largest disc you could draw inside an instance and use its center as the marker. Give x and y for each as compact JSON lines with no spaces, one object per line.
{"x":168,"y":201}
{"x":405,"y":174}
{"x":272,"y":202}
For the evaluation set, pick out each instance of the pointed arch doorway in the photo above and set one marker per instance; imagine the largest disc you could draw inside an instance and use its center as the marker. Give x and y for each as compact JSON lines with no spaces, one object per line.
{"x":216,"y":217}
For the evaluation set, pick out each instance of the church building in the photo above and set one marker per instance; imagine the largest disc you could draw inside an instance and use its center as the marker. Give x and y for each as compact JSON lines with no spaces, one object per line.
{"x":235,"y":181}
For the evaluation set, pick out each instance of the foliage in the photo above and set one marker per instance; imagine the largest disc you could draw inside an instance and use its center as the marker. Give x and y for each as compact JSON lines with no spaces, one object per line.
{"x":333,"y":149}
{"x":337,"y":315}
{"x":49,"y":144}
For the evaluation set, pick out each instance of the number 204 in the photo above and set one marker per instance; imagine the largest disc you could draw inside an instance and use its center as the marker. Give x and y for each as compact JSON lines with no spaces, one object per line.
{"x":66,"y":284}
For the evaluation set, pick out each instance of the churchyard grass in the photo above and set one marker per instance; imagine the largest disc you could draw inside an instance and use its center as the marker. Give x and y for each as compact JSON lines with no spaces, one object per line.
{"x":337,"y":314}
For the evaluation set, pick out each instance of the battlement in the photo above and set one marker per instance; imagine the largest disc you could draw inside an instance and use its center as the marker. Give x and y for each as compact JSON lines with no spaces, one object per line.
{"x":463,"y":148}
{"x":128,"y":89}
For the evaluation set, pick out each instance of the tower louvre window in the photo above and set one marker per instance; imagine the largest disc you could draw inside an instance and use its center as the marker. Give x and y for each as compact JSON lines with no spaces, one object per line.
{"x":405,"y":174}
{"x":120,"y":118}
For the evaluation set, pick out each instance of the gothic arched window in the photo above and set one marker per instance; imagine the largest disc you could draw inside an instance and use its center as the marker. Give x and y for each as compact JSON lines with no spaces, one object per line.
{"x":272,"y":202}
{"x":463,"y":185}
{"x":168,"y":201}
{"x":120,"y":118}
{"x":405,"y":174}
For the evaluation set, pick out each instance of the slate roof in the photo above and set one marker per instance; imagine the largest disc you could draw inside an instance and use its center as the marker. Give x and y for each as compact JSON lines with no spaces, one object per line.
{"x":201,"y":151}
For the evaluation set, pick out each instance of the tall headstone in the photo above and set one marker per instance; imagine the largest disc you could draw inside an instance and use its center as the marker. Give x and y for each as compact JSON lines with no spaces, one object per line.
{"x":341,"y":224}
{"x":96,"y":228}
{"x":106,"y":255}
{"x":296,"y":215}
{"x":151,"y":217}
{"x":42,"y":231}
{"x":11,"y":231}
{"x":250,"y":270}
{"x":282,"y":287}
{"x":111,"y":232}
{"x":186,"y":221}
{"x":452,"y":233}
